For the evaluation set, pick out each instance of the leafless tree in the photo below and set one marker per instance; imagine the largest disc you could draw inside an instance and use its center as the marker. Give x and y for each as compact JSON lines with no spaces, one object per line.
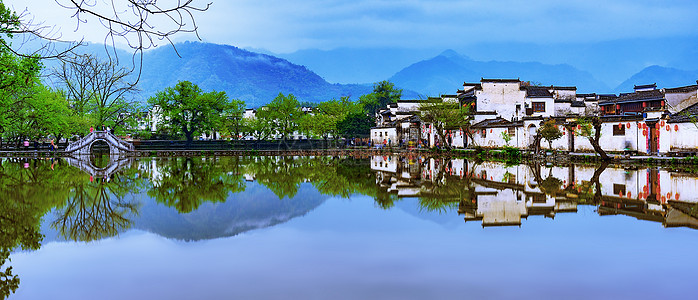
{"x":96,"y":87}
{"x":141,"y":24}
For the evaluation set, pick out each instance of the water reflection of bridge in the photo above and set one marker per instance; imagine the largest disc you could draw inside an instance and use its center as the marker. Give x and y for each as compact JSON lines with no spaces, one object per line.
{"x":499,"y":195}
{"x":84,"y":163}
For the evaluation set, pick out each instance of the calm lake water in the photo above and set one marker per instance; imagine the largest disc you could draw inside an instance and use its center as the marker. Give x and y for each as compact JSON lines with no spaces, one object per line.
{"x":345,"y":228}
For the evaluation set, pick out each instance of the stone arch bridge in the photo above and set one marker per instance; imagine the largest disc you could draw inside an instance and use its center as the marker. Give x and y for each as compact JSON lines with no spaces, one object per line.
{"x":83,"y":146}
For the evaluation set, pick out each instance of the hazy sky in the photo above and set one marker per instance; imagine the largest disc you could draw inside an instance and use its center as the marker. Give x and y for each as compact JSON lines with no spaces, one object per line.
{"x":286,"y":26}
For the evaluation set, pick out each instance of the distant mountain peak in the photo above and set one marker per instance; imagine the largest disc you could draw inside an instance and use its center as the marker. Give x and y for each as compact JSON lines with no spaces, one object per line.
{"x":452,"y":54}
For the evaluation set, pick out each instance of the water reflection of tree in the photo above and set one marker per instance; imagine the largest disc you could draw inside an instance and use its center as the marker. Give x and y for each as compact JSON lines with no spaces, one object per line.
{"x":29,"y":189}
{"x":590,"y":192}
{"x":188,"y":182}
{"x":335,"y":176}
{"x":445,"y":192}
{"x":98,"y":209}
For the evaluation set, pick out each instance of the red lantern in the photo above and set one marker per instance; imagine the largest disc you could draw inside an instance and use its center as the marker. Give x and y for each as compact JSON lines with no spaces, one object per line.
{"x":628,"y":125}
{"x":656,"y":126}
{"x":662,"y":123}
{"x":620,"y":125}
{"x":629,"y":194}
{"x":668,"y":128}
{"x":676,"y":196}
{"x":644,"y":132}
{"x":676,"y":127}
{"x":491,"y":130}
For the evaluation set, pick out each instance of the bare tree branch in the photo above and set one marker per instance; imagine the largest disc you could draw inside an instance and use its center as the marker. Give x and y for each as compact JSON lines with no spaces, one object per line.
{"x":139,"y":24}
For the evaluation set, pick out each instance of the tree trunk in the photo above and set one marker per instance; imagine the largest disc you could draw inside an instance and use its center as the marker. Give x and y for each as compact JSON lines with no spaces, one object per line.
{"x":443,"y":140}
{"x":595,"y":140}
{"x":536,"y":144}
{"x":595,"y":181}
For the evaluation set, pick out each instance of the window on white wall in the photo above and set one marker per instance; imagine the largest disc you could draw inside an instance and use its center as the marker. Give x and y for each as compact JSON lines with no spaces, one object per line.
{"x":619,"y":129}
{"x":538,"y":107}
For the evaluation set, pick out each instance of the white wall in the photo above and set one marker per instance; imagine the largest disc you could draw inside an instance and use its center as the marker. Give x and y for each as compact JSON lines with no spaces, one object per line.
{"x":381,"y":135}
{"x":501,"y":97}
{"x":686,"y":138}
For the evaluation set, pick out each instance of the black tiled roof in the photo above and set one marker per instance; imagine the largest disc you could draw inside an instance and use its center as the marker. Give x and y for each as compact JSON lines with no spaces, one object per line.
{"x":683,"y":89}
{"x":564,"y":88}
{"x":685,"y":114}
{"x":499,"y":80}
{"x":586,"y":95}
{"x":537,"y":92}
{"x":578,"y":104}
{"x":646,"y":86}
{"x":497,"y":122}
{"x":607,"y":96}
{"x":636,"y":96}
{"x":623,"y":118}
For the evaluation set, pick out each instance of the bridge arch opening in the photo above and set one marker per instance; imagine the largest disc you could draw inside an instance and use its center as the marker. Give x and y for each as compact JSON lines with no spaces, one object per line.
{"x":99,"y":153}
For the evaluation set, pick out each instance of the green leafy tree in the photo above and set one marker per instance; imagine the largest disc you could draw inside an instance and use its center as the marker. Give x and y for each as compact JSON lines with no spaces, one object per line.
{"x":284,"y":113}
{"x":506,"y":137}
{"x":187,"y":110}
{"x":326,"y":116}
{"x":355,"y":124}
{"x":444,"y":115}
{"x":259,"y":127}
{"x":233,"y":123}
{"x":550,"y":132}
{"x":18,"y":75}
{"x":384,"y":92}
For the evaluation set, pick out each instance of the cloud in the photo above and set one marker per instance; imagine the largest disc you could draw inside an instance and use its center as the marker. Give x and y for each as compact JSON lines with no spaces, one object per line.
{"x":285,"y":26}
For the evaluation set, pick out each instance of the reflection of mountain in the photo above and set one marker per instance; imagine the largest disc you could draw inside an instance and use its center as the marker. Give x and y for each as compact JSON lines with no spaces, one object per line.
{"x":256,"y":207}
{"x":413,"y":207}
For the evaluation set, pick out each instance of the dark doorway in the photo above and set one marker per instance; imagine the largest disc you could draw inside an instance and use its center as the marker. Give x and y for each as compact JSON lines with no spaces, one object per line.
{"x":654,"y":138}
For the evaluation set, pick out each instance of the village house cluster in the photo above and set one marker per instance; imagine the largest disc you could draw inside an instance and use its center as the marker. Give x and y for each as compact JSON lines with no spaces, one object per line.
{"x":648,"y":120}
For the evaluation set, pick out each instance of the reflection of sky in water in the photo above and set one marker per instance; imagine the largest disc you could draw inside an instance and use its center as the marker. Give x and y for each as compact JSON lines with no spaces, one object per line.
{"x":350,"y":249}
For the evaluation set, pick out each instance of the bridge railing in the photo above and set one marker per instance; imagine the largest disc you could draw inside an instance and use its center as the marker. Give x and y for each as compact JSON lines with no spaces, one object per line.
{"x":111,"y":139}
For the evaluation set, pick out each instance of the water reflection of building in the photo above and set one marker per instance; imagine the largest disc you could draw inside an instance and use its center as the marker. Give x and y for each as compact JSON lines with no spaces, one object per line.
{"x":499,"y":195}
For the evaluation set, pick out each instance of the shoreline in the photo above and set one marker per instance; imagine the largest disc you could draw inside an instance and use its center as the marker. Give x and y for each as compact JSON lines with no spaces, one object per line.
{"x":485,"y":155}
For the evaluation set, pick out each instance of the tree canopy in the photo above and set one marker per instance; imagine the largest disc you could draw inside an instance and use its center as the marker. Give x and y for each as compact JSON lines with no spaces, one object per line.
{"x":445,"y":115}
{"x":185,"y":109}
{"x":384,"y":92}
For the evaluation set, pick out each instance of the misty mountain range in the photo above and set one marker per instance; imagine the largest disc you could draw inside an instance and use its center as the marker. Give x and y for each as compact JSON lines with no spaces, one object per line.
{"x":257,"y":78}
